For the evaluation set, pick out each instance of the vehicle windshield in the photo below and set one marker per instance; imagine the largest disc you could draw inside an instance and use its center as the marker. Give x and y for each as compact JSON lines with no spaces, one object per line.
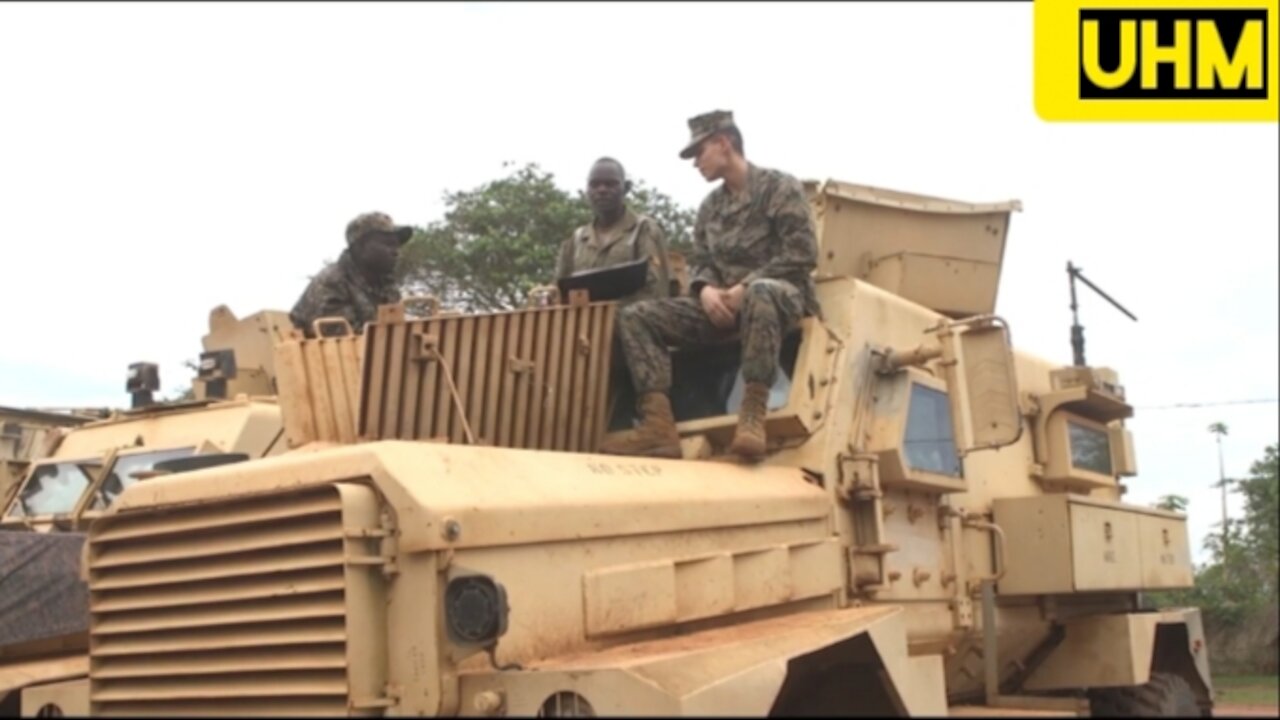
{"x":52,"y":488}
{"x":126,"y":466}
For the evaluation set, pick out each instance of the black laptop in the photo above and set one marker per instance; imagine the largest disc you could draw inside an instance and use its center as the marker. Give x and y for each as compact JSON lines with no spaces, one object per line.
{"x":611,"y":283}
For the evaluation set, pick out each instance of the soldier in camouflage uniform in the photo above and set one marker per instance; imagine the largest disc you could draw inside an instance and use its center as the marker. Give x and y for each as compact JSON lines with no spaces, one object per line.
{"x":754,"y":252}
{"x":360,"y":280}
{"x":616,"y":234}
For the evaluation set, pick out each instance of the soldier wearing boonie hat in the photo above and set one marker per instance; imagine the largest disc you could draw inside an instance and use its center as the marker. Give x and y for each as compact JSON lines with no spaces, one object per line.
{"x":751,"y":280}
{"x":361,"y":279}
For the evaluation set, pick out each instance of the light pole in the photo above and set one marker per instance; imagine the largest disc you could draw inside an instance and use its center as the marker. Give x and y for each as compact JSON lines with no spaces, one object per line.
{"x":1220,"y":429}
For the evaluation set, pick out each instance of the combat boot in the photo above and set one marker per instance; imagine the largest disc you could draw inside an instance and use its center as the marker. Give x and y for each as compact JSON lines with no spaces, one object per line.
{"x":656,"y":436}
{"x":749,"y":439}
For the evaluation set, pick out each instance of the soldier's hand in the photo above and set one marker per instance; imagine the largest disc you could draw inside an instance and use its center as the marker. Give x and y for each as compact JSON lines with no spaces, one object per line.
{"x":733,"y":297}
{"x":713,"y":305}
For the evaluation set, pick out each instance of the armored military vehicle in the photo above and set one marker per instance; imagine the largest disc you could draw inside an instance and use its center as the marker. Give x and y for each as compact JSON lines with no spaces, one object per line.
{"x":28,"y":434}
{"x":939,"y":527}
{"x":233,"y":410}
{"x":44,"y":609}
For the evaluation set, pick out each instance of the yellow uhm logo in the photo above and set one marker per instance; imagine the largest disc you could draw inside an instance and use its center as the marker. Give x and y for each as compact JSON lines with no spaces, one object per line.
{"x":1143,"y":60}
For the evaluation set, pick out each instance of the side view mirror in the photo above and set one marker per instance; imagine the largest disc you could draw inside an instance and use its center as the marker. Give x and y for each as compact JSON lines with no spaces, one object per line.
{"x":977,"y":365}
{"x":989,"y":385}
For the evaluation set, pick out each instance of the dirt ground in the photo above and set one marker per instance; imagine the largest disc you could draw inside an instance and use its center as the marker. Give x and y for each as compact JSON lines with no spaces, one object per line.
{"x":1236,"y":710}
{"x":1220,"y":710}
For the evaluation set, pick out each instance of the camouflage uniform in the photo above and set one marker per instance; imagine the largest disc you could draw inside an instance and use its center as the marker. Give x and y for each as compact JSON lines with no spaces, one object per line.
{"x":763,"y":239}
{"x":634,"y":236}
{"x":343,"y":290}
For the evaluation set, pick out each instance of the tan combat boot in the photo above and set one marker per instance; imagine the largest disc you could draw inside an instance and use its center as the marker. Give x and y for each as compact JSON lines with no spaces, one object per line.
{"x":748,"y":439}
{"x":656,"y":436}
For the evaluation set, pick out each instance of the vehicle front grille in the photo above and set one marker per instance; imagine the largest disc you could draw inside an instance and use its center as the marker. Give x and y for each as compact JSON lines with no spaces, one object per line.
{"x":229,"y":608}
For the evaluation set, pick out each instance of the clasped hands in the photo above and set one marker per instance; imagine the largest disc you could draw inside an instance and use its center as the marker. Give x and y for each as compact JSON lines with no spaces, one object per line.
{"x":721,"y":305}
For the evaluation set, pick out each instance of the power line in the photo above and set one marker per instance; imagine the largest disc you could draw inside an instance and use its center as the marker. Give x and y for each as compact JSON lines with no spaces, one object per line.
{"x":1206,"y":404}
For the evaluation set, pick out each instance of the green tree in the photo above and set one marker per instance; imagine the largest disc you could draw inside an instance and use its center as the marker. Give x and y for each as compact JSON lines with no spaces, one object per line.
{"x":495,"y":242}
{"x":1242,"y":576}
{"x":1261,"y":536}
{"x":499,"y":240}
{"x":1172,"y":503}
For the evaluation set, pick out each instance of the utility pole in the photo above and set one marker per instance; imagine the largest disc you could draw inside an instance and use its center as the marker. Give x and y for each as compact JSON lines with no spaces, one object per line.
{"x":1219,"y":429}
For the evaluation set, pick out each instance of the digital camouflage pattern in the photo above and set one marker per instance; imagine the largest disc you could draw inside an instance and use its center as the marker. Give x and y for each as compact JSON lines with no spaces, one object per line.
{"x":770,"y":309}
{"x":634,"y":236}
{"x":703,"y":127}
{"x":766,"y":232}
{"x":342,"y":290}
{"x":763,"y":238}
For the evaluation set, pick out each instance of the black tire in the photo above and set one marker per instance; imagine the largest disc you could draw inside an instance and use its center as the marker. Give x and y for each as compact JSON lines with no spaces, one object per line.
{"x":1165,"y":695}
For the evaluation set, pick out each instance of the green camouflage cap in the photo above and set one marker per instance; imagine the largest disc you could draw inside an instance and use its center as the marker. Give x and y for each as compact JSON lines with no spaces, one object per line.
{"x":703,"y":126}
{"x":376,"y":222}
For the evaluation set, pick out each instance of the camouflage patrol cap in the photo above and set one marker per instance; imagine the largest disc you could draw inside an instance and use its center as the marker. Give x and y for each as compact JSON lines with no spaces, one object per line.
{"x":376,"y":222}
{"x":703,"y":127}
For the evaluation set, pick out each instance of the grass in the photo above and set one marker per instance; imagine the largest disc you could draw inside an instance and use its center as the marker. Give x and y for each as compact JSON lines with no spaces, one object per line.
{"x":1247,"y":690}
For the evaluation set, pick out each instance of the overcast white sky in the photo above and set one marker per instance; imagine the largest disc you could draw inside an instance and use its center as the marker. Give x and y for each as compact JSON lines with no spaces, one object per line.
{"x":157,"y":160}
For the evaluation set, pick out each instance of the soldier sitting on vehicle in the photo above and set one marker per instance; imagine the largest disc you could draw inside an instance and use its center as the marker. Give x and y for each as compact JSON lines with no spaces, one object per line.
{"x":361,"y":279}
{"x":616,"y":234}
{"x":754,"y":252}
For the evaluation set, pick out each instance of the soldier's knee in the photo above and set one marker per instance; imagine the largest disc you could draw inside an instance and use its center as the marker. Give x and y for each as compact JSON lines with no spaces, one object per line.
{"x":767,"y":288}
{"x":632,"y":317}
{"x":765,"y":293}
{"x":778,"y":295}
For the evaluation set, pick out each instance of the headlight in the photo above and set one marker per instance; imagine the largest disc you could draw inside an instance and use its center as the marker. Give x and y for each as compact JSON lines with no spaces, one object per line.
{"x":475,"y":610}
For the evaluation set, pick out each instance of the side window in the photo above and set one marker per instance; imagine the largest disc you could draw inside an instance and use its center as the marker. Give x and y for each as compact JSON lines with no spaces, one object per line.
{"x":1078,"y":451}
{"x":929,"y":442}
{"x":121,"y":475}
{"x":52,"y":489}
{"x":1090,"y":448}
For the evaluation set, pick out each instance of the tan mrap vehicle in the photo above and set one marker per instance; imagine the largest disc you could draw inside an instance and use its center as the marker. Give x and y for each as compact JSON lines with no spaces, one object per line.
{"x":233,"y":410}
{"x":94,"y":463}
{"x":28,"y":434}
{"x":938,"y":529}
{"x":43,"y":626}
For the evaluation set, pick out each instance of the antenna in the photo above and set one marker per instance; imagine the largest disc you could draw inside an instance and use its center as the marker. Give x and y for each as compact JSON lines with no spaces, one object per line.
{"x":1077,"y":330}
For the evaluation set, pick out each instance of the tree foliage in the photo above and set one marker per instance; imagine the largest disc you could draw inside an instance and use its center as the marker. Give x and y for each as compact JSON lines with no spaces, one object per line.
{"x":499,"y":240}
{"x":1261,"y":541}
{"x":1241,"y":578}
{"x":1172,"y":503}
